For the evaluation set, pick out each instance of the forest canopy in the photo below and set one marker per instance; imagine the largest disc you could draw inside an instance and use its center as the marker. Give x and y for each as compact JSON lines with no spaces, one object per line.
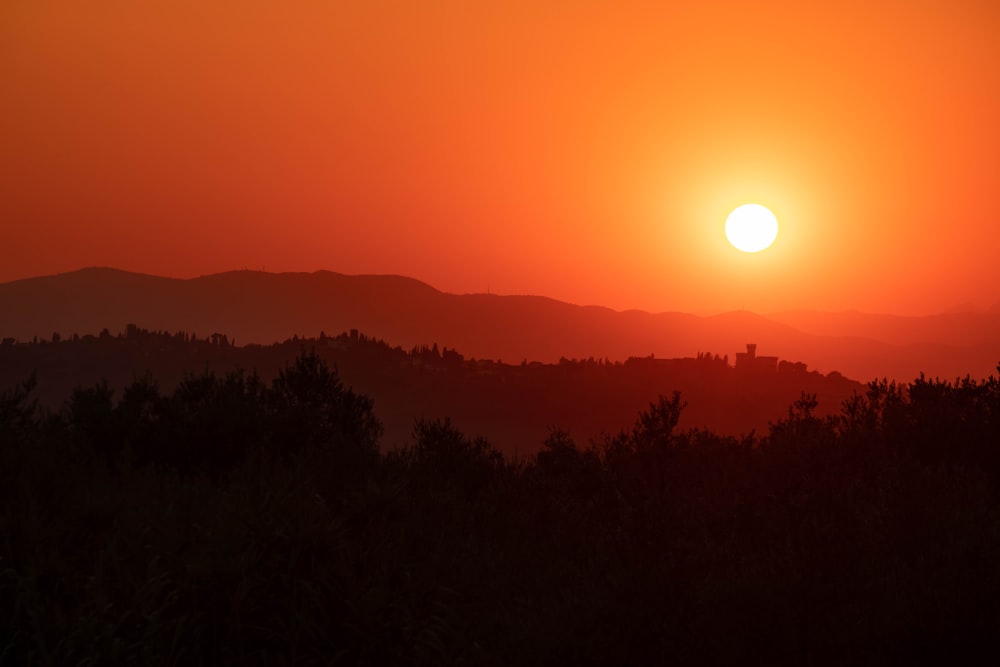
{"x":237,"y":521}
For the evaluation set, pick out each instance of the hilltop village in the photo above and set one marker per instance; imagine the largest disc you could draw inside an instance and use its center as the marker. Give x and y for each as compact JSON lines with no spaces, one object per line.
{"x":746,"y":363}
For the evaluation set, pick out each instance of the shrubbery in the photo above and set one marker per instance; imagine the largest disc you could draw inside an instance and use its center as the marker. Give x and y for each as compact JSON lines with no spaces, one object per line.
{"x":232,"y":522}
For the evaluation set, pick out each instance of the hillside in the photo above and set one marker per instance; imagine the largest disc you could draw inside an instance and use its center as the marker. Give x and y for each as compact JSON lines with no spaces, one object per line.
{"x":512,"y":405}
{"x":256,"y":307}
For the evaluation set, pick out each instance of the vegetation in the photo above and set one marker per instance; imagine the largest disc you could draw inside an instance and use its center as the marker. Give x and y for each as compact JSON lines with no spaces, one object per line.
{"x":587,"y":396}
{"x":233,"y":521}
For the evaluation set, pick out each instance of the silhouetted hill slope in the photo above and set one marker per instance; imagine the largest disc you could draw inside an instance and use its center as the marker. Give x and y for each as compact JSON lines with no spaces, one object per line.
{"x":261,"y":308}
{"x":967,"y":328}
{"x":513,"y":405}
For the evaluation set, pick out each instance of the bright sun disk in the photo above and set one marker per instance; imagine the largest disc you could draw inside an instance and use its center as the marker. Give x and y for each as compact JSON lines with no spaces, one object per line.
{"x":751,"y":228}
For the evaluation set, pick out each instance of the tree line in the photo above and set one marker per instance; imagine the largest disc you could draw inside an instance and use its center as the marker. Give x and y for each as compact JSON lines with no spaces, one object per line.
{"x":233,"y":521}
{"x":586,"y":396}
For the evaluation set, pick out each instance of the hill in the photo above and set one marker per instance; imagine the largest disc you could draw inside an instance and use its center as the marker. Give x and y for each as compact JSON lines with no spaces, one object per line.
{"x":512,"y":405}
{"x":257,"y":307}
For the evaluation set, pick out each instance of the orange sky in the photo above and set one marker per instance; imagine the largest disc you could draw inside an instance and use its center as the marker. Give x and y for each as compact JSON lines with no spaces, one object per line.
{"x":580,"y":150}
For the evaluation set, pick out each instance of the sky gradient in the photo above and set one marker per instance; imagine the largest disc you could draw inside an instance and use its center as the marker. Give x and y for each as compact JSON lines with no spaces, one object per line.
{"x":585,"y":151}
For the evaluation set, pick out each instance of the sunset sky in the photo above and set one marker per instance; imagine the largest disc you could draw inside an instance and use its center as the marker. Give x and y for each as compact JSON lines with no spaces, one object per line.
{"x":580,"y":150}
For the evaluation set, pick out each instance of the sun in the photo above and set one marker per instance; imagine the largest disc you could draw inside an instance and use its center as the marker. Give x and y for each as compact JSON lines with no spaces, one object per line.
{"x":751,"y":228}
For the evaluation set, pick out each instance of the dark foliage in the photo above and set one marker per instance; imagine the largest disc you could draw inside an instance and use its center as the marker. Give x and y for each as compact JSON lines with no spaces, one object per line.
{"x":237,"y":522}
{"x":587,"y":396}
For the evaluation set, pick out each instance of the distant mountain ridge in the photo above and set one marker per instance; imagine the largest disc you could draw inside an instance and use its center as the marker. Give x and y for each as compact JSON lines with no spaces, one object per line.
{"x":258,"y":307}
{"x":961,"y":328}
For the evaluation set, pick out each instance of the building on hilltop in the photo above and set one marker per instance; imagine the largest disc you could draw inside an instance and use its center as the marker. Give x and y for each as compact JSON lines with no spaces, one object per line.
{"x":749,"y":361}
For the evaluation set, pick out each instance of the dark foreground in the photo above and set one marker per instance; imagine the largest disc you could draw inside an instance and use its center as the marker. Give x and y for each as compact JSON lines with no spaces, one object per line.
{"x":233,"y":522}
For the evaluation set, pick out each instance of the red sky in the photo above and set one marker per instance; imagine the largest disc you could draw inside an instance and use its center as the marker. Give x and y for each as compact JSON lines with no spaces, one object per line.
{"x":580,"y":150}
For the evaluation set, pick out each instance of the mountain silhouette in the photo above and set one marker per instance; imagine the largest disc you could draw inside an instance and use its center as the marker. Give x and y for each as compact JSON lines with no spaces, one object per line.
{"x":258,"y":307}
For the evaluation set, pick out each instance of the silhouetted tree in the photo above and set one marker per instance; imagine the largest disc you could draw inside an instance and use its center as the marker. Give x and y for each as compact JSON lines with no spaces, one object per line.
{"x":443,"y":453}
{"x":308,"y":407}
{"x":655,"y":426}
{"x":90,"y":413}
{"x":564,"y":467}
{"x":17,"y":411}
{"x":140,"y":418}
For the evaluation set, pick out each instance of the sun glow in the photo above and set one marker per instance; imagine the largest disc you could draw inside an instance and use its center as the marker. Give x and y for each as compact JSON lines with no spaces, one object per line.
{"x":751,"y":228}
